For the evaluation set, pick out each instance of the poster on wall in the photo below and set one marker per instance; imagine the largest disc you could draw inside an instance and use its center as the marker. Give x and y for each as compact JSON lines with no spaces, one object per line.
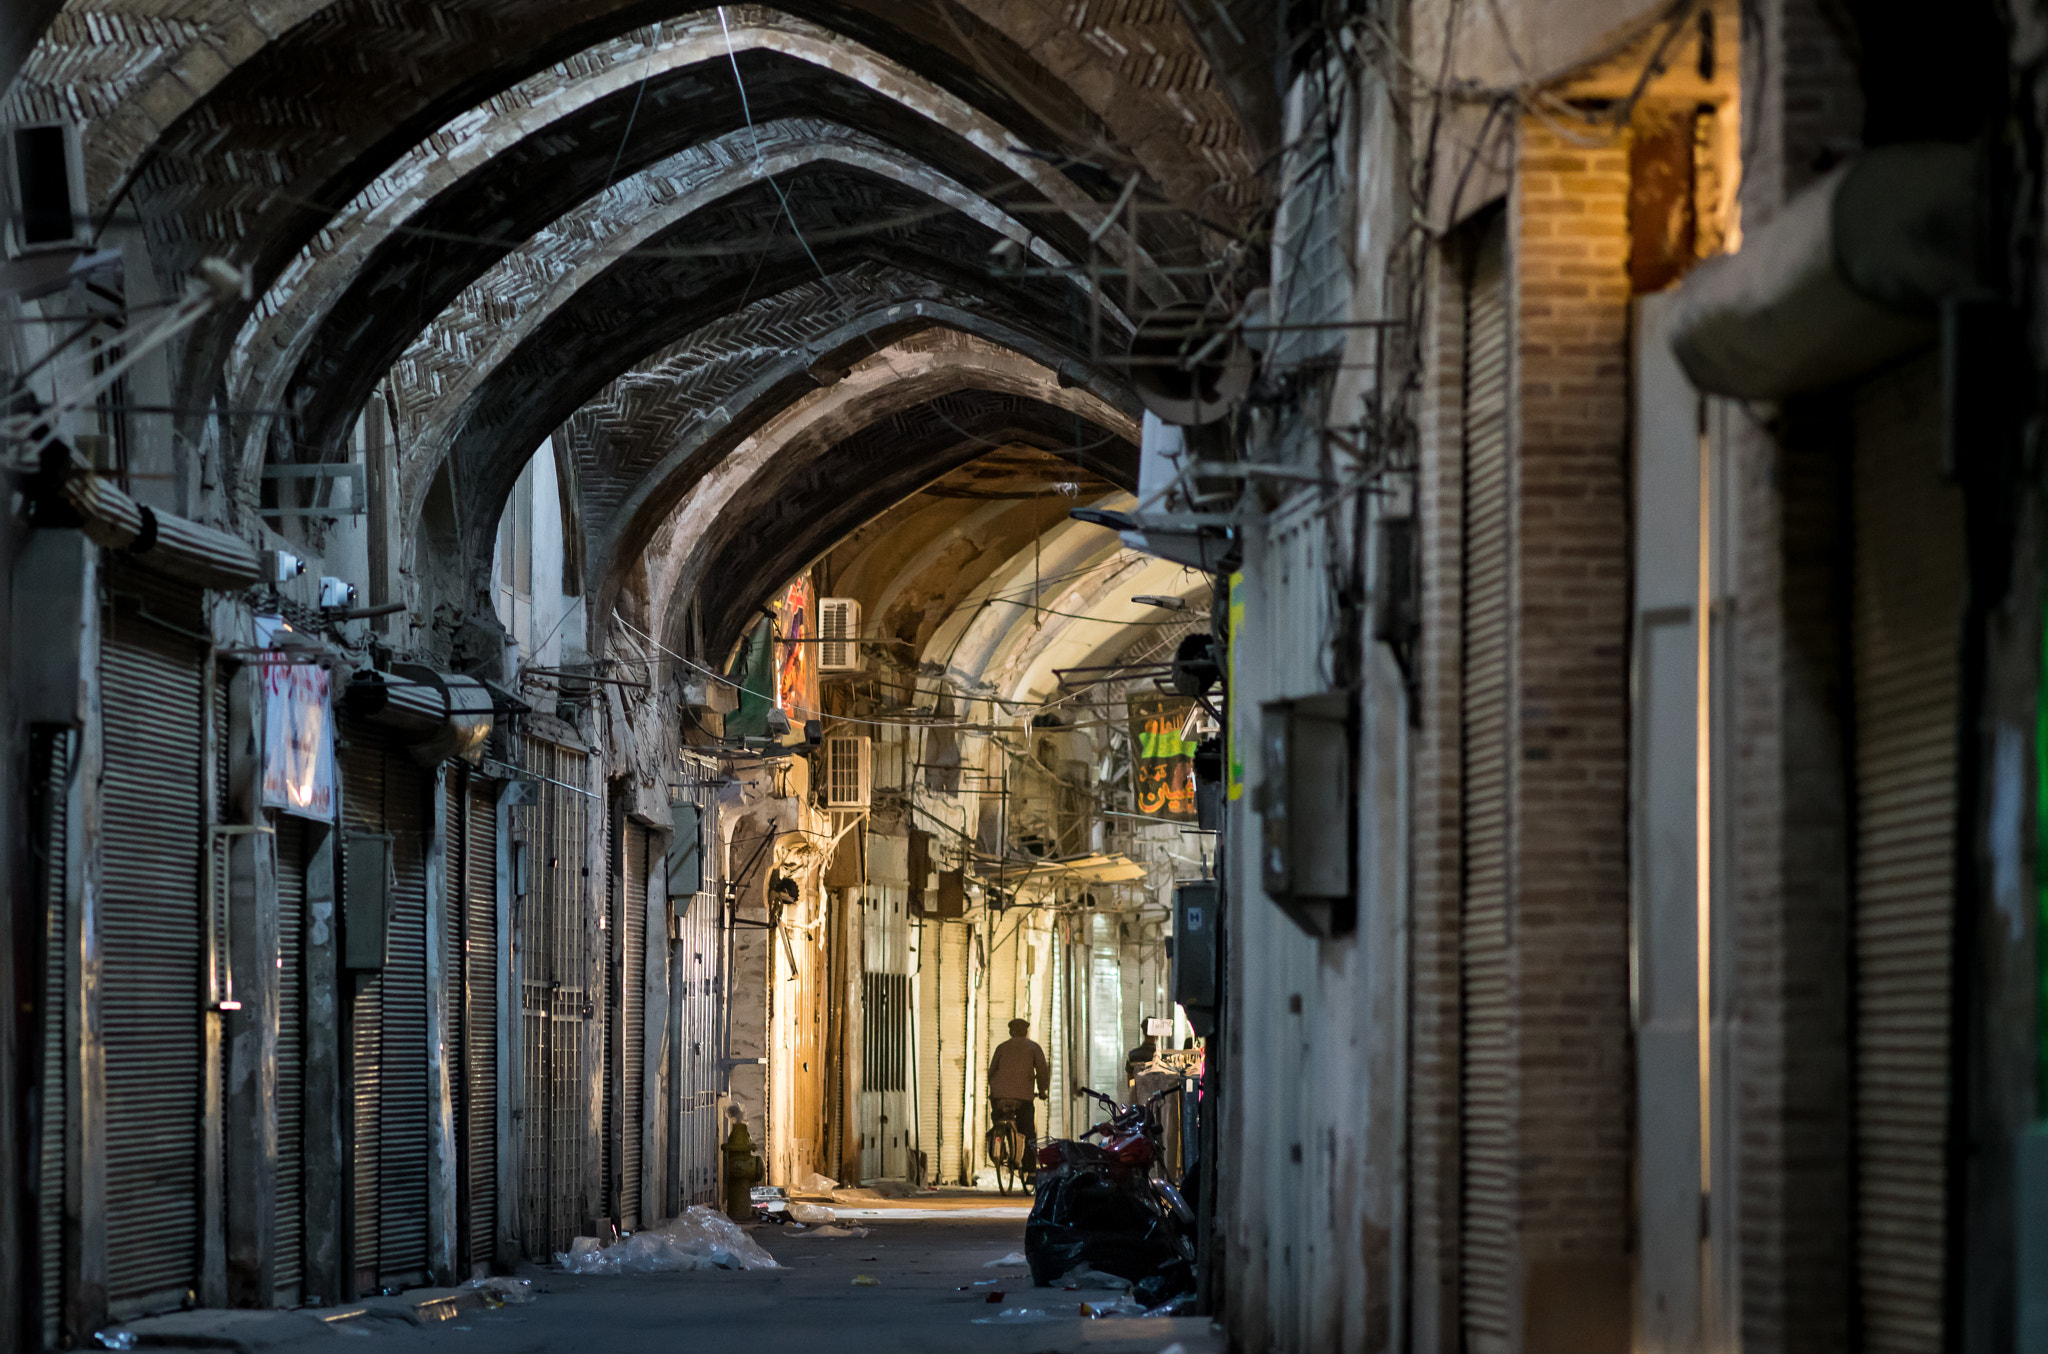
{"x":796,"y":658}
{"x":1163,"y":756}
{"x":298,"y":730}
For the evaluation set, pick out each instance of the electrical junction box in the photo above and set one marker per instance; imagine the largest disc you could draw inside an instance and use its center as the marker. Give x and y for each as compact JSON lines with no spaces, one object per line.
{"x":685,"y":856}
{"x":1195,"y":923}
{"x":365,"y":900}
{"x":1308,"y":756}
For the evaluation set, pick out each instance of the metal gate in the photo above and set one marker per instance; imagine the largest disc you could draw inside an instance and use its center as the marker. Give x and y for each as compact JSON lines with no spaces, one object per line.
{"x":1908,"y":595}
{"x":384,"y":794}
{"x":556,"y":983}
{"x":155,"y":966}
{"x":290,"y":1231}
{"x":885,"y":1127}
{"x":1486,"y":693}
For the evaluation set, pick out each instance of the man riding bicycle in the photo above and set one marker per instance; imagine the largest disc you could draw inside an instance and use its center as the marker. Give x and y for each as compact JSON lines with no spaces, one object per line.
{"x":1016,"y":1073}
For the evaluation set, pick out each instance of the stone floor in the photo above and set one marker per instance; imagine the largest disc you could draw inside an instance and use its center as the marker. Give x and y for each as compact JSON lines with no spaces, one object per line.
{"x":924,"y":1255}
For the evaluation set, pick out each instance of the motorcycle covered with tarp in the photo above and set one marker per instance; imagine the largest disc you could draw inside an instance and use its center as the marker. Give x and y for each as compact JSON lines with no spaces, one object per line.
{"x":1100,"y":1205}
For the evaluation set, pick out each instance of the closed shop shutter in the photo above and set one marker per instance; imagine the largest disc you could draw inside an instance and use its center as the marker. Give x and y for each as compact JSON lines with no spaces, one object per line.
{"x":51,"y":777}
{"x":479,"y":979}
{"x":292,"y":834}
{"x":403,"y":1128}
{"x":1486,"y":692}
{"x":361,"y":764}
{"x":633,"y":1014}
{"x":384,"y":793}
{"x":153,"y":941}
{"x":1906,"y":631}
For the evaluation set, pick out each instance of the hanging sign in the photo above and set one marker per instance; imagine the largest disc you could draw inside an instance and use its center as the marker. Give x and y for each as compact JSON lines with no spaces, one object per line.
{"x":298,"y":730}
{"x":1163,"y":756}
{"x":796,"y":662}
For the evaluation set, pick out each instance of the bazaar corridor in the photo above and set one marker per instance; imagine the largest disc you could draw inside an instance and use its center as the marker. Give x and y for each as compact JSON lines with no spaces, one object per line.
{"x":1378,"y":666}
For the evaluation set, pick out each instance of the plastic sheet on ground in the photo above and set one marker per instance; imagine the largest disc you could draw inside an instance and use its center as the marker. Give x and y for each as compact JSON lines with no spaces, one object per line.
{"x":699,"y":1239}
{"x":812,"y":1214}
{"x":1011,"y":1316}
{"x":829,"y":1231}
{"x":817,"y":1184}
{"x":115,"y":1339}
{"x":1085,"y":1276}
{"x":503,"y":1290}
{"x":1014,"y":1260}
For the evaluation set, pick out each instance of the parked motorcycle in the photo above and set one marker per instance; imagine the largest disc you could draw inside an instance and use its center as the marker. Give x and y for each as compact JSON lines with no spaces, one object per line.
{"x":1100,"y":1203}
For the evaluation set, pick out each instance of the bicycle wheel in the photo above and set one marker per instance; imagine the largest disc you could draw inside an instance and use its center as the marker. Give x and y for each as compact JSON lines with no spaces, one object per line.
{"x":1002,"y":1154}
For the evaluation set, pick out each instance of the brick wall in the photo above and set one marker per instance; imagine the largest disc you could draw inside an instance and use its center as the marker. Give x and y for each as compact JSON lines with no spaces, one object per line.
{"x":1569,"y":906}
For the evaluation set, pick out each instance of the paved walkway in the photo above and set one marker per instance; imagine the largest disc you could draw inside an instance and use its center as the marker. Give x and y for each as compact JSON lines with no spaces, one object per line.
{"x":924,"y":1301}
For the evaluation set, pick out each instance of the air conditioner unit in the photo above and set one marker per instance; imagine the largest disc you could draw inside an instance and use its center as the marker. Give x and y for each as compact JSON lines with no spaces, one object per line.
{"x":838,"y":634}
{"x":46,"y":206}
{"x":849,"y":774}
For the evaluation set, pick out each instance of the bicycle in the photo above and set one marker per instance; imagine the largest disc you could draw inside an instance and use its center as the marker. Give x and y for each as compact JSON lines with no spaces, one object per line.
{"x":1007,"y":1149}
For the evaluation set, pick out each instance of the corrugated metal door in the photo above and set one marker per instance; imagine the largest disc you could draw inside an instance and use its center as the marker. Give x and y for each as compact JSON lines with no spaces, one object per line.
{"x":1486,"y":693}
{"x":290,"y":1234}
{"x":1906,"y":633}
{"x":633,"y":1015}
{"x":383,"y":792}
{"x":51,"y":781}
{"x":403,"y":1132}
{"x":478,"y":989}
{"x":360,"y":761}
{"x":153,"y":941}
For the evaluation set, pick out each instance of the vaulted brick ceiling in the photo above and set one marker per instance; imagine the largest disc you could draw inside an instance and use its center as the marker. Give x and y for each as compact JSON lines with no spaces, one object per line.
{"x":674,"y":219}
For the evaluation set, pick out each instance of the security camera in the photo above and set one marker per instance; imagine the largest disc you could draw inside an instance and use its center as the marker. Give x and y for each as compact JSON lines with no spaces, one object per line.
{"x":285,"y":566}
{"x":336,"y":594}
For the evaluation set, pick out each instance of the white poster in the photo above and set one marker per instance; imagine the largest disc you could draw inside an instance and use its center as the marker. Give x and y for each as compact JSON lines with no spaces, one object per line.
{"x":298,"y":731}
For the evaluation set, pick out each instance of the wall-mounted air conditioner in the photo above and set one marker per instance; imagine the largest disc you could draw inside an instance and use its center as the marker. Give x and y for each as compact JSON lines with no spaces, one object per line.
{"x":849,"y":777}
{"x":838,"y":634}
{"x":46,"y":206}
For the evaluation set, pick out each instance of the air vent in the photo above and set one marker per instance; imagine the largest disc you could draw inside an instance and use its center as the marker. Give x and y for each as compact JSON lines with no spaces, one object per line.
{"x":848,"y":777}
{"x":838,"y":634}
{"x":45,"y":189}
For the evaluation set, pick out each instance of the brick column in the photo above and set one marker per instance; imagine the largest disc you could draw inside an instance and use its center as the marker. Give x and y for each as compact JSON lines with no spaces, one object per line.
{"x":1569,"y":902}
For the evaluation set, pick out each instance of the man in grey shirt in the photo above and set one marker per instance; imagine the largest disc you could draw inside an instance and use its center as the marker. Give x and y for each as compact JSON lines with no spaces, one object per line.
{"x":1016,"y":1073}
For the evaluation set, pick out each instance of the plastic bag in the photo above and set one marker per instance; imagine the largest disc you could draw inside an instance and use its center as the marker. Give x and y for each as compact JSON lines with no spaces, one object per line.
{"x":503,"y":1290}
{"x":115,"y":1339}
{"x":1123,"y":1304}
{"x":1010,"y":1316}
{"x":1086,"y":1276}
{"x":818,"y":1184}
{"x":1014,"y":1260}
{"x":700,"y":1238}
{"x":812,"y":1215}
{"x":834,"y":1230}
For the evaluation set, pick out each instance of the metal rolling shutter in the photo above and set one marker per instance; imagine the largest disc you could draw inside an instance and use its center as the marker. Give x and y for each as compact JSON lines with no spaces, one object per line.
{"x":633,"y":1012}
{"x":479,"y":975}
{"x":51,"y":781}
{"x":361,"y":765}
{"x":1485,"y":696}
{"x":403,"y":1123}
{"x":1908,"y":598}
{"x":153,"y":943}
{"x":291,"y":1057}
